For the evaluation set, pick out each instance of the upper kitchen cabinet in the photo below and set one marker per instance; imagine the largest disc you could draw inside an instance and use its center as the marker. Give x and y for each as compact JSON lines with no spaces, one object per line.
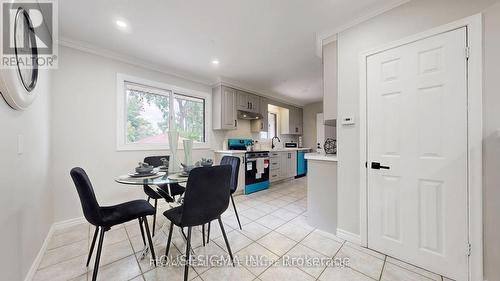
{"x":224,"y":115}
{"x":291,"y":121}
{"x":330,"y":81}
{"x":261,"y":125}
{"x":248,"y":102}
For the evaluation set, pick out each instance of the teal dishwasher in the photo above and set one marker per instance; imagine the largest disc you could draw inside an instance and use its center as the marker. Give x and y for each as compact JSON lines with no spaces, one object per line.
{"x":301,"y":164}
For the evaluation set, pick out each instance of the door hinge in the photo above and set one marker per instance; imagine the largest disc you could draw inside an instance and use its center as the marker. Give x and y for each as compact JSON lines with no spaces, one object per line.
{"x":467,"y":52}
{"x":469,"y":249}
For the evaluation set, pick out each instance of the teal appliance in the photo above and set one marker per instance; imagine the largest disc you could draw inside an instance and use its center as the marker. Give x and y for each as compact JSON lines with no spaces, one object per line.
{"x":301,"y":164}
{"x":239,"y":144}
{"x":256,"y":165}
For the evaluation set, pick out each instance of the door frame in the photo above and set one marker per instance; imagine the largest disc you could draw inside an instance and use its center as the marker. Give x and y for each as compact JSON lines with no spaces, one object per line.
{"x":474,"y":25}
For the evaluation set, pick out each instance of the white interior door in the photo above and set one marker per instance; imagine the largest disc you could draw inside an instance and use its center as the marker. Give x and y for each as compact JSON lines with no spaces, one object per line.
{"x":417,"y":127}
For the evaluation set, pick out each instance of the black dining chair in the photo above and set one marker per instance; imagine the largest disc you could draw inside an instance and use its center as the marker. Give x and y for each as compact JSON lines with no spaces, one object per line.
{"x":175,"y":189}
{"x":234,"y":162}
{"x":104,"y":218}
{"x":206,"y":198}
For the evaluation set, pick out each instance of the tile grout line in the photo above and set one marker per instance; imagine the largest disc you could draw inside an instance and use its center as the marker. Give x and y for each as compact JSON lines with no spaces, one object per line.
{"x":383,"y":267}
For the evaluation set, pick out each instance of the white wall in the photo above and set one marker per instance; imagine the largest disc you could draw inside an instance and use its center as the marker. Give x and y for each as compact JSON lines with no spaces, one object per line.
{"x":25,"y":203}
{"x":309,"y":121}
{"x":84,"y":129}
{"x":406,"y":20}
{"x":491,"y":127}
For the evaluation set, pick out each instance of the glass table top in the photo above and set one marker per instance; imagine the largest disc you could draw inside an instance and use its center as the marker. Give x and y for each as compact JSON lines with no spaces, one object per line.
{"x":160,"y":178}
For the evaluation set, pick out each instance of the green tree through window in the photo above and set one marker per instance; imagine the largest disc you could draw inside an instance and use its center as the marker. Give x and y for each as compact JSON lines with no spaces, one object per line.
{"x":148,"y":115}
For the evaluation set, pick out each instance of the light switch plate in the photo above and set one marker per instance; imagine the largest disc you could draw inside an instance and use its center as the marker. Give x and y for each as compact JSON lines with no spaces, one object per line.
{"x":348,"y":120}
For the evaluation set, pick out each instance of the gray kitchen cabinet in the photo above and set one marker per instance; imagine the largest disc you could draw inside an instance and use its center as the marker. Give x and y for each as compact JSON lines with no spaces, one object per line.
{"x":261,"y":125}
{"x":248,"y":102}
{"x":241,"y":171}
{"x":291,"y":121}
{"x":288,"y":164}
{"x":283,"y":165}
{"x":274,"y":166}
{"x":224,"y":115}
{"x":298,"y":121}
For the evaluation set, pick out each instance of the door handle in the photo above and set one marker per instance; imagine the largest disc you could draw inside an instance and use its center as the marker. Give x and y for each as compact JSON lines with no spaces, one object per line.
{"x":377,"y":166}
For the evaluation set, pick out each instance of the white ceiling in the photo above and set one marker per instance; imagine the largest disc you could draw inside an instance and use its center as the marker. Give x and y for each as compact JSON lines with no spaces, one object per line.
{"x":267,"y":46}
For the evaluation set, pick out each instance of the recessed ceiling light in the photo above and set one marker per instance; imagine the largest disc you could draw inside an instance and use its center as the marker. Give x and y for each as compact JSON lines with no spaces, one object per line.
{"x":121,"y":24}
{"x":215,"y":62}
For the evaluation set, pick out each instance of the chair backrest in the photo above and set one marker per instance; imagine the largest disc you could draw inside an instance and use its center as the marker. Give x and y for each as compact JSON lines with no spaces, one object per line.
{"x":155,"y":161}
{"x":207,"y":195}
{"x":234,"y":162}
{"x":91,"y":209}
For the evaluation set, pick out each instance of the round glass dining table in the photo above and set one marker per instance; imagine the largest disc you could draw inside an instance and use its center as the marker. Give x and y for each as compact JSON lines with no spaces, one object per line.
{"x":160,"y":179}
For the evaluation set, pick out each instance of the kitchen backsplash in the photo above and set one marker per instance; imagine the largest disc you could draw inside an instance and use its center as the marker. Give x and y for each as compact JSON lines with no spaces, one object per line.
{"x":244,"y":131}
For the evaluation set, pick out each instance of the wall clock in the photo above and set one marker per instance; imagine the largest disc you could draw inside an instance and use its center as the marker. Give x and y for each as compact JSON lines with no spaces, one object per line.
{"x":18,"y":84}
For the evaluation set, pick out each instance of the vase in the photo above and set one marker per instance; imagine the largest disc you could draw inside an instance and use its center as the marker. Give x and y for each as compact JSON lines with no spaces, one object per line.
{"x":188,"y":150}
{"x":173,"y":140}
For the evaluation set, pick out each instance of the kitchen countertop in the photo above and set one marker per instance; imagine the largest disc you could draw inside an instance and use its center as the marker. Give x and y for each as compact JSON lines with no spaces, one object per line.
{"x":289,"y":149}
{"x":230,"y":151}
{"x":321,"y":157}
{"x":270,"y":150}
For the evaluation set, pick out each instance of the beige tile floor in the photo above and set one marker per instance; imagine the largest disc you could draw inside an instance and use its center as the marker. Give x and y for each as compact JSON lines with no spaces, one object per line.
{"x":274,"y":229}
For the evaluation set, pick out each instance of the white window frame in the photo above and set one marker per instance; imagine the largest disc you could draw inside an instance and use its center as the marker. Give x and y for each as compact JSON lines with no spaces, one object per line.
{"x":121,"y":138}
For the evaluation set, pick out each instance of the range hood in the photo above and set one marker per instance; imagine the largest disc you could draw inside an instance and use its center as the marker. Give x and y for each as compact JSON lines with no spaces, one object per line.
{"x":245,"y":115}
{"x":331,"y":122}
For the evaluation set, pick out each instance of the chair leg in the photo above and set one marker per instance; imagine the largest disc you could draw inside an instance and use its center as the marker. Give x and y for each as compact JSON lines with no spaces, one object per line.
{"x":188,"y":252}
{"x":142,"y":231}
{"x":236,"y":212}
{"x":169,"y":239}
{"x":98,"y":254}
{"x":225,"y":239}
{"x":208,"y":232}
{"x":154,"y":217}
{"x":92,"y":245}
{"x":203,"y":233}
{"x":151,"y":246}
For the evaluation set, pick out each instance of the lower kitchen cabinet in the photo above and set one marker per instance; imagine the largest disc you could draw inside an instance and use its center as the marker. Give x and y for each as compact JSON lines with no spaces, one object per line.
{"x":241,"y":172}
{"x":283,"y":165}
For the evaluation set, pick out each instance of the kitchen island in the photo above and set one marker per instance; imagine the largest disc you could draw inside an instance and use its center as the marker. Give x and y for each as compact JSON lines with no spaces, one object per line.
{"x":322,"y":191}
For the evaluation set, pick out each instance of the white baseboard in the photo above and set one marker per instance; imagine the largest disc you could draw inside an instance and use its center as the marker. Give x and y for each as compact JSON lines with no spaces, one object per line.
{"x":39,"y":256}
{"x":68,"y":223}
{"x":55,"y":226}
{"x":349,"y":236}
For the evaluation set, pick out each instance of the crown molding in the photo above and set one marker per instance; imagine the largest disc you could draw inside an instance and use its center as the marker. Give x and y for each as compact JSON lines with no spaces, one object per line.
{"x":106,"y":53}
{"x":328,"y":36}
{"x":89,"y":48}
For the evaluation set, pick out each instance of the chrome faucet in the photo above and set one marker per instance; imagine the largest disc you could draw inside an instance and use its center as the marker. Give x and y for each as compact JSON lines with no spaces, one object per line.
{"x":272,"y":142}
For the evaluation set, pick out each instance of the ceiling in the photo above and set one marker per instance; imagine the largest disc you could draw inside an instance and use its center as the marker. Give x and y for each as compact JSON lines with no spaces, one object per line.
{"x":267,"y":46}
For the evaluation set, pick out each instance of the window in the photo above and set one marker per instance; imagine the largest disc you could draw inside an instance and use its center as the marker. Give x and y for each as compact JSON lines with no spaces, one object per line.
{"x":148,"y":110}
{"x":272,"y":125}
